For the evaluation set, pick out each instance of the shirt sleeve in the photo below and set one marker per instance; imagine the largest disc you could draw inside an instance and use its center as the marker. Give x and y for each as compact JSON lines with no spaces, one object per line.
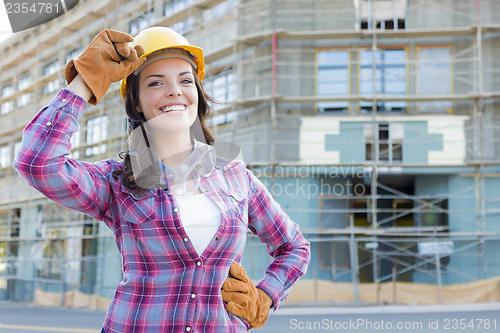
{"x":42,"y":159}
{"x":285,"y":243}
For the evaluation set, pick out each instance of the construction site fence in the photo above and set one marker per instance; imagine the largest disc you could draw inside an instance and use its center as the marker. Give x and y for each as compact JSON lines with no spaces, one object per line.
{"x":349,"y":268}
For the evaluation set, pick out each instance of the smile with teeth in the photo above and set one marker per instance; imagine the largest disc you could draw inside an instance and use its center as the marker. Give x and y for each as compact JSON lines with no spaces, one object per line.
{"x":173,"y":108}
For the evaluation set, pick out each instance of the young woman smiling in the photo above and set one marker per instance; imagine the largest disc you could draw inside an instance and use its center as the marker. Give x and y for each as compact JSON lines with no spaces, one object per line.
{"x":179,"y":209}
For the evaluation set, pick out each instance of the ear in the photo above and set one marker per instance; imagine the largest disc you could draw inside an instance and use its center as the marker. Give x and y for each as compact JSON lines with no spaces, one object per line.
{"x":138,"y":108}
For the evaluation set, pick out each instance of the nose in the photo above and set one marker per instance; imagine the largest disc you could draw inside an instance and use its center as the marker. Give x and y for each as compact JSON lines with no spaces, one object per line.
{"x":173,"y":90}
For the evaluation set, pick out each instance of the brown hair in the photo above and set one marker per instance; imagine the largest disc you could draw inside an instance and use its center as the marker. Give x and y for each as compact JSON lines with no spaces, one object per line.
{"x":136,"y":119}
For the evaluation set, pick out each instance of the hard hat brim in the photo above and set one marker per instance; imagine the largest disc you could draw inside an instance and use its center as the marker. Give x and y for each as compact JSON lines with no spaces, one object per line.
{"x":159,"y":38}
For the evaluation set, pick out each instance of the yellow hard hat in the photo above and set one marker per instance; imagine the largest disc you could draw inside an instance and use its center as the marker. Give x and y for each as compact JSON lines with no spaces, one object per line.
{"x":158,"y":38}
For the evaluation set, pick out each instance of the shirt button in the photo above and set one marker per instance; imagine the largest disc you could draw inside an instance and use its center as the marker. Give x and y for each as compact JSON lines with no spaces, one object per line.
{"x":63,"y":100}
{"x":198,"y":263}
{"x":184,"y":167}
{"x":176,"y":209}
{"x":193,"y":295}
{"x":188,"y":329}
{"x":186,"y":239}
{"x":49,"y":123}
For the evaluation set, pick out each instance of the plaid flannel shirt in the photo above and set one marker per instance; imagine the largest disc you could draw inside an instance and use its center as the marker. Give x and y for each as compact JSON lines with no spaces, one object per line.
{"x":166,"y":286}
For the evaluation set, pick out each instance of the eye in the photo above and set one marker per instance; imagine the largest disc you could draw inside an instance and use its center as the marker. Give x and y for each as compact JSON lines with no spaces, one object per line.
{"x":186,"y":81}
{"x":154,"y":84}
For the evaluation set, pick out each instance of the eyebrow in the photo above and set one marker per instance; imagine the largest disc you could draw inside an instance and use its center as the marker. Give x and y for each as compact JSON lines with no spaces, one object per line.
{"x":161,"y":75}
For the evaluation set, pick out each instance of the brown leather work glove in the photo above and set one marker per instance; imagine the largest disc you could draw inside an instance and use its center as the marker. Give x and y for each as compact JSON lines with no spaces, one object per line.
{"x":107,"y":59}
{"x":244,"y":299}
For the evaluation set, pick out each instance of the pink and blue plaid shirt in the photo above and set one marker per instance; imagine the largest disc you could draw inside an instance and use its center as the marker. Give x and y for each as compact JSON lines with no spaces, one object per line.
{"x":166,"y":286}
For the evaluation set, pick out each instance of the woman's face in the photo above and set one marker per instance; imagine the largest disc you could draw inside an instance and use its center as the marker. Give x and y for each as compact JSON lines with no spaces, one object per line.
{"x":167,"y":89}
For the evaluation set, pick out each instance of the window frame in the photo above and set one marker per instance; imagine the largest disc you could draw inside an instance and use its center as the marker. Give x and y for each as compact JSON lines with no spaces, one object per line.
{"x":5,"y":156}
{"x":50,"y":66}
{"x":142,"y":20}
{"x":389,"y":141}
{"x":406,"y":79}
{"x":96,"y":146}
{"x":380,"y":24}
{"x":25,"y":81}
{"x":417,"y":73}
{"x":348,"y":69}
{"x":7,"y":89}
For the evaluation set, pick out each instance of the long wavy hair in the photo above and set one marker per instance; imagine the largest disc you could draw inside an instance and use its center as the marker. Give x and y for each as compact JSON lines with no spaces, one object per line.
{"x":136,"y":119}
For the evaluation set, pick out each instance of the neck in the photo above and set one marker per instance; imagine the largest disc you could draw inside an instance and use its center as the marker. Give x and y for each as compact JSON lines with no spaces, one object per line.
{"x":173,"y":148}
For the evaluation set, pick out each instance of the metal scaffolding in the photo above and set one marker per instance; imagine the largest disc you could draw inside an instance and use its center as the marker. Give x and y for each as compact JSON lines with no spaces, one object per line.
{"x":392,"y":231}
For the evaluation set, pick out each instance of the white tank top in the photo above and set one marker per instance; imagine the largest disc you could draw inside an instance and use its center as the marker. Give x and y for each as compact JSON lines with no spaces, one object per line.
{"x":201,"y":218}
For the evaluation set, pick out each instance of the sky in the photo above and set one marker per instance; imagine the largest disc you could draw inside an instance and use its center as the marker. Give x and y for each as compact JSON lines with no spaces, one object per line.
{"x":5,"y":29}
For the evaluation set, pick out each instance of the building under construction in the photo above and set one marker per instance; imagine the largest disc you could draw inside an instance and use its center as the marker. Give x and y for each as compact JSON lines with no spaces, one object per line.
{"x":373,"y":123}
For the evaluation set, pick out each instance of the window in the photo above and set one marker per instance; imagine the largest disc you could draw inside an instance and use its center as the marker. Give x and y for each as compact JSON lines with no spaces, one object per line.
{"x":73,"y":54}
{"x":141,"y":21}
{"x":385,"y":143}
{"x":170,"y":7}
{"x":333,"y":79}
{"x":222,"y":88}
{"x":54,"y":258}
{"x":88,"y":267}
{"x":219,"y":11}
{"x":390,"y":78}
{"x":5,"y":159}
{"x":24,"y":100}
{"x":184,"y":27}
{"x":24,"y":80}
{"x":97,"y":131}
{"x":17,"y":145}
{"x":50,"y":67}
{"x":9,"y":227}
{"x":382,"y":14}
{"x":3,"y":255}
{"x":7,"y":107}
{"x":7,"y":89}
{"x":50,"y":87}
{"x":434,"y":213}
{"x":75,"y":143}
{"x":434,"y":77}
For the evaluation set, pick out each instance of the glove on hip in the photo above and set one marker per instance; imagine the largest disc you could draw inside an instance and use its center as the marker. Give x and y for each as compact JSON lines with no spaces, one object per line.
{"x":244,"y":299}
{"x":107,"y":59}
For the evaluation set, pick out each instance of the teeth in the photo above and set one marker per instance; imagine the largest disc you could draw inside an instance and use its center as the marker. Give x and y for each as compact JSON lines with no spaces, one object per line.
{"x":173,"y":108}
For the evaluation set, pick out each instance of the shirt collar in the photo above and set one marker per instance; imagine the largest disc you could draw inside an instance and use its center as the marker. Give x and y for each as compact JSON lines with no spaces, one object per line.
{"x":203,"y":160}
{"x":152,"y":173}
{"x":200,"y":163}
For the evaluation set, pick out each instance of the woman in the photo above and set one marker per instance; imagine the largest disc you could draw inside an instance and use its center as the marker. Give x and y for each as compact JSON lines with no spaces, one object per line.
{"x":179,"y":211}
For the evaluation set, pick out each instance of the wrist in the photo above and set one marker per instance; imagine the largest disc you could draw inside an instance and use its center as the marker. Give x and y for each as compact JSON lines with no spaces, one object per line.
{"x":265,"y":296}
{"x":79,"y":87}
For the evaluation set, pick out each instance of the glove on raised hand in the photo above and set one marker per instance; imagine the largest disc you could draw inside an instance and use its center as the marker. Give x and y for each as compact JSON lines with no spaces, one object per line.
{"x":244,"y":299}
{"x":107,"y":59}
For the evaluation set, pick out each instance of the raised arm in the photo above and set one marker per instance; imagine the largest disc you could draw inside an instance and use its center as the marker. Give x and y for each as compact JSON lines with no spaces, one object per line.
{"x":42,"y":158}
